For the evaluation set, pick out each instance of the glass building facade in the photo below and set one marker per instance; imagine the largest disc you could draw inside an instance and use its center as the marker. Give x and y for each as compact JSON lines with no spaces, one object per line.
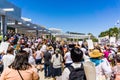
{"x":16,"y":14}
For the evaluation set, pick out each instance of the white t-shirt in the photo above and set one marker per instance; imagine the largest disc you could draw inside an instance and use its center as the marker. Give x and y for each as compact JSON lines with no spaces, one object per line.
{"x":103,"y":68}
{"x":68,"y":58}
{"x":44,"y":48}
{"x":31,"y":60}
{"x":7,"y":60}
{"x":57,"y":61}
{"x":29,"y":50}
{"x":38,"y":54}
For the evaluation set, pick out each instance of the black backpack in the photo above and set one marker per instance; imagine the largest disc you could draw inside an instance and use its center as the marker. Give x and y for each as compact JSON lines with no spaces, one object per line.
{"x":77,"y":73}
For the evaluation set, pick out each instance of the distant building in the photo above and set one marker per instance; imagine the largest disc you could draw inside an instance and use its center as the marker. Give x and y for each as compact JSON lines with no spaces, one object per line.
{"x":55,"y":30}
{"x":59,"y":35}
{"x":75,"y":33}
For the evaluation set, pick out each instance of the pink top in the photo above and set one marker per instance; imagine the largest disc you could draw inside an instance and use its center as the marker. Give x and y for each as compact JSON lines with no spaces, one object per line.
{"x":11,"y":74}
{"x":106,"y":54}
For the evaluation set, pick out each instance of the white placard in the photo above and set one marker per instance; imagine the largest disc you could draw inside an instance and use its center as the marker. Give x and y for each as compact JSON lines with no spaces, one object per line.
{"x":4,"y":47}
{"x":112,"y":40}
{"x":118,"y":42}
{"x":90,"y":44}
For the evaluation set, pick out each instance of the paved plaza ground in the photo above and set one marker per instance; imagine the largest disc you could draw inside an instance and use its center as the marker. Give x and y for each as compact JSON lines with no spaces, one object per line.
{"x":41,"y":74}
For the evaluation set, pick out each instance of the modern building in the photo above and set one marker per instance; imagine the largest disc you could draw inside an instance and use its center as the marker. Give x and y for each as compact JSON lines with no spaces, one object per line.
{"x":10,"y":15}
{"x":15,"y":14}
{"x":59,"y":35}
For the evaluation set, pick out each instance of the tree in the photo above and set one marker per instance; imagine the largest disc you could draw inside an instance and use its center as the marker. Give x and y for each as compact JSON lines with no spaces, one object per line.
{"x":94,"y":39}
{"x":118,"y":33}
{"x":105,"y":33}
{"x":112,"y":32}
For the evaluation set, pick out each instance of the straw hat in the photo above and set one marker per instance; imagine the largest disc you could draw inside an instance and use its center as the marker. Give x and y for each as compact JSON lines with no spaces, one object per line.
{"x":95,"y":53}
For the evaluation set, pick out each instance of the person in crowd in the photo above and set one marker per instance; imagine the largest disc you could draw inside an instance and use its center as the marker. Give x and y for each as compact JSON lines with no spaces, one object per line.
{"x":107,"y":52}
{"x":38,"y":58}
{"x":50,"y":48}
{"x":9,"y":57}
{"x":110,"y":54}
{"x":76,"y":70}
{"x":67,"y":58}
{"x":1,"y":64}
{"x":44,"y":47}
{"x":17,"y":47}
{"x":31,"y":59}
{"x":85,"y":45}
{"x":116,"y":69}
{"x":47,"y":63}
{"x":27,"y":49}
{"x":103,"y":70}
{"x":85,"y":52}
{"x":118,"y":52}
{"x":57,"y":60}
{"x":20,"y":69}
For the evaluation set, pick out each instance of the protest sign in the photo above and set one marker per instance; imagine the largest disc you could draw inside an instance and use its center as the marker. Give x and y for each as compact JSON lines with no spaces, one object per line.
{"x":112,"y":40}
{"x":90,"y":44}
{"x":104,"y":40}
{"x":4,"y":47}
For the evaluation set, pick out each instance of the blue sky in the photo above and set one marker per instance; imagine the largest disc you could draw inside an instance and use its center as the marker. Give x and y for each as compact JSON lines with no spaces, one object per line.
{"x":82,"y":16}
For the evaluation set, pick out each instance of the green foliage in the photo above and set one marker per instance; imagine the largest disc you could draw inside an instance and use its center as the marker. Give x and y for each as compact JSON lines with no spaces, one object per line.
{"x":111,"y":32}
{"x":94,"y":39}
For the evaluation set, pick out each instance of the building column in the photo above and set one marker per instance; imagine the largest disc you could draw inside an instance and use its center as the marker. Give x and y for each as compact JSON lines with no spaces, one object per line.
{"x":16,"y":29}
{"x":3,"y":27}
{"x":37,"y":33}
{"x":50,"y":36}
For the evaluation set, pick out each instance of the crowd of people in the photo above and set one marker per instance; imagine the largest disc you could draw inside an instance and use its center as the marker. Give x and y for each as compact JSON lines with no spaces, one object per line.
{"x":72,"y":61}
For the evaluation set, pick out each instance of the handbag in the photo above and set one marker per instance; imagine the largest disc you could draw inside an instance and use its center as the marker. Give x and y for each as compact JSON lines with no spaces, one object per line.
{"x":20,"y":75}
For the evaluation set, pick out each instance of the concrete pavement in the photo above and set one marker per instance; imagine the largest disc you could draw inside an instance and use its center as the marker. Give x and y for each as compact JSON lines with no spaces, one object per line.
{"x":41,"y":74}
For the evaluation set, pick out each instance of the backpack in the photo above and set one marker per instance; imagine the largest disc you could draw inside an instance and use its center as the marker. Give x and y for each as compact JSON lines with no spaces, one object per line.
{"x":77,"y":73}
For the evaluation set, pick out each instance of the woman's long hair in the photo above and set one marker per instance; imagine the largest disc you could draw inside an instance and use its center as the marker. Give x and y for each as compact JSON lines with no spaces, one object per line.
{"x":21,"y":61}
{"x":57,"y":51}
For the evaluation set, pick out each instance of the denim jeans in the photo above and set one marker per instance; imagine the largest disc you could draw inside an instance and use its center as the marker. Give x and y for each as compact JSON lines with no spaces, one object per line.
{"x":67,"y":64}
{"x":48,"y":70}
